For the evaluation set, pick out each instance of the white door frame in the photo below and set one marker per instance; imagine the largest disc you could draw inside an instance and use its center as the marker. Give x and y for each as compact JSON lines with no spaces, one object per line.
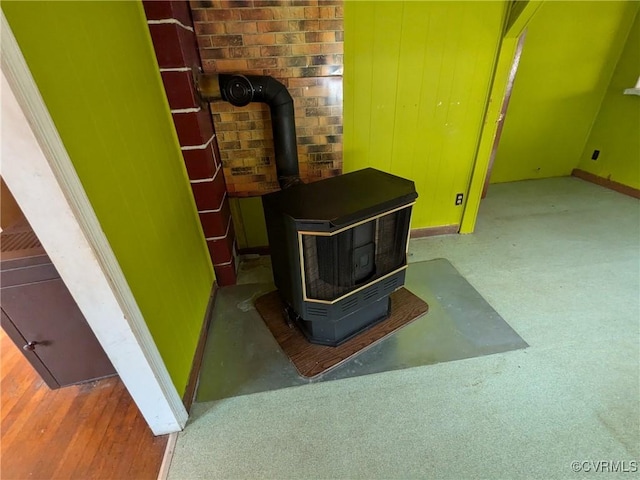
{"x":39,"y":173}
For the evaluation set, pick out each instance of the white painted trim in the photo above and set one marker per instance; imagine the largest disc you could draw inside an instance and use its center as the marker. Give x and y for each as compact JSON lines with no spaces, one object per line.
{"x":175,"y":69}
{"x":186,"y":110}
{"x":216,"y":210}
{"x":205,"y":180}
{"x":223,"y":236}
{"x":169,"y":21}
{"x":199,"y":147}
{"x":170,"y":449}
{"x":42,"y":178}
{"x":224,"y":264}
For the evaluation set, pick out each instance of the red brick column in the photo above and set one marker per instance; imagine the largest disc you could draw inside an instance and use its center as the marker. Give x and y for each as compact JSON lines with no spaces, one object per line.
{"x":176,"y":49}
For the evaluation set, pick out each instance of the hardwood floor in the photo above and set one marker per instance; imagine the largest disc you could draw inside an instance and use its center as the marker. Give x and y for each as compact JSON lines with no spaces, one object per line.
{"x":87,"y":431}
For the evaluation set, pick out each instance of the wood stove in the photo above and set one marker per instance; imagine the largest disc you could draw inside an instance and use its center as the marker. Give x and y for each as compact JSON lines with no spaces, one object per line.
{"x":338,"y":246}
{"x":338,"y":249}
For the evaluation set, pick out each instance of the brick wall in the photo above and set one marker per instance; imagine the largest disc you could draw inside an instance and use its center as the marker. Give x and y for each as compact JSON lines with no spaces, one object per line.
{"x":298,"y":42}
{"x":174,"y":41}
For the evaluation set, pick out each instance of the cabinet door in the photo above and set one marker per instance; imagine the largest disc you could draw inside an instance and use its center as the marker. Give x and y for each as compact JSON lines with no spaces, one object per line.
{"x":45,"y":313}
{"x":14,"y":334}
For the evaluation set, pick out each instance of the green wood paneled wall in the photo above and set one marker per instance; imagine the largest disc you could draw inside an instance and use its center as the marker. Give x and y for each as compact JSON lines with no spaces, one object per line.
{"x":616,"y":132}
{"x":417,"y":77}
{"x":96,"y":70}
{"x":569,"y":56}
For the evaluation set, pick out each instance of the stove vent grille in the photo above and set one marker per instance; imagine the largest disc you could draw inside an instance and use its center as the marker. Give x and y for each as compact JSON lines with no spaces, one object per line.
{"x":338,"y":264}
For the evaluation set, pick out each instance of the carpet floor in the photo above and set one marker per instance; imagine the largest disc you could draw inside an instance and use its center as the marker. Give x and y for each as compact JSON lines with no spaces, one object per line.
{"x":559,"y":260}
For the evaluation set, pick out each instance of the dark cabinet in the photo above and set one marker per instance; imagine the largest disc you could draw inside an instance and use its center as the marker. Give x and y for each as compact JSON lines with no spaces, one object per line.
{"x":43,"y":320}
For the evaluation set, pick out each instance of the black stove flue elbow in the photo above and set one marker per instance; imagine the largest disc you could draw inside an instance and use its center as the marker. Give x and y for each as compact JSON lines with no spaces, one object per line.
{"x":240,"y":90}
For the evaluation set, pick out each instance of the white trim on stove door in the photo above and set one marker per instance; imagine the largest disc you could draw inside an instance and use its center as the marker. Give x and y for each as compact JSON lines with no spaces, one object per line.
{"x":39,"y":172}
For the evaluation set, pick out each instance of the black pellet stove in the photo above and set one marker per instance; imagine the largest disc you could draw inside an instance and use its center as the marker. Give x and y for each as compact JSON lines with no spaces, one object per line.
{"x":338,"y":249}
{"x":338,"y":246}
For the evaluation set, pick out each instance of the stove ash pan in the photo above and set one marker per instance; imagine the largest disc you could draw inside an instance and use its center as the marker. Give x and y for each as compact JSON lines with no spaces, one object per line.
{"x":339,"y":249}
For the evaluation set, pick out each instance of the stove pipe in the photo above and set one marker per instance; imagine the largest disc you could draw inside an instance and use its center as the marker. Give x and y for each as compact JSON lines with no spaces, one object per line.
{"x":240,"y":90}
